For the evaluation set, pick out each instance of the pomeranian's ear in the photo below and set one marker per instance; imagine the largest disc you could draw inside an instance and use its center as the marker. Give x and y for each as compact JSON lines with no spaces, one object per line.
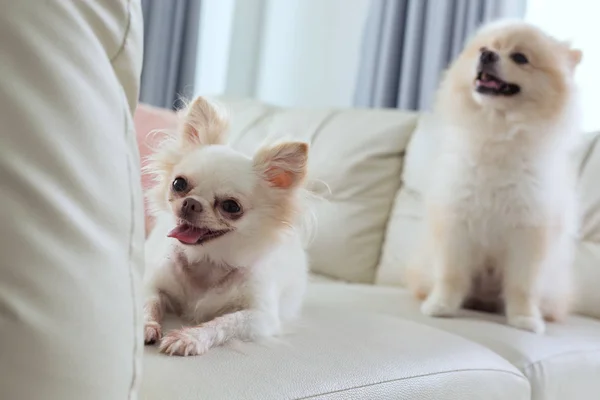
{"x":574,"y":56}
{"x":204,"y":123}
{"x":284,"y":165}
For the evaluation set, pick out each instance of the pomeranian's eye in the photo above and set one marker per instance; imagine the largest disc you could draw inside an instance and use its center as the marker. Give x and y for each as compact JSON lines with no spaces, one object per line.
{"x":230,"y":206}
{"x":179,"y":185}
{"x":519,"y":58}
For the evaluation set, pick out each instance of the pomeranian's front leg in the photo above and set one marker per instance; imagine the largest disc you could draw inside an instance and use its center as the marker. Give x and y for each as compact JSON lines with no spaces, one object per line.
{"x":154,"y":309}
{"x":244,"y":325}
{"x":454,"y":258}
{"x":526,"y":251}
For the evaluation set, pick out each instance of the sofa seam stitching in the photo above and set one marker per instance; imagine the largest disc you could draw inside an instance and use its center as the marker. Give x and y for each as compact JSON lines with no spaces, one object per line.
{"x":522,"y":377}
{"x":586,"y":157}
{"x":134,"y":375}
{"x":125,"y":34}
{"x":316,"y":131}
{"x":528,"y":367}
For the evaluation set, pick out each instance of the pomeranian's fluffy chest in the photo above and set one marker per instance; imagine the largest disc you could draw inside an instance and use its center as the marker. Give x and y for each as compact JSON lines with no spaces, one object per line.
{"x":496,"y":184}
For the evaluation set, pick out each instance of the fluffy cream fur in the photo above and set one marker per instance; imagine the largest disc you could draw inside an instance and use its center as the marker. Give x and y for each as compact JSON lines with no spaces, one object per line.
{"x":240,"y":285}
{"x":501,"y":209}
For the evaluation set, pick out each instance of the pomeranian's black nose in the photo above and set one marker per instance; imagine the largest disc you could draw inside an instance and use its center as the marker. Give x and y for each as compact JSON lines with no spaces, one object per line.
{"x":191,"y":206}
{"x":488,"y":57}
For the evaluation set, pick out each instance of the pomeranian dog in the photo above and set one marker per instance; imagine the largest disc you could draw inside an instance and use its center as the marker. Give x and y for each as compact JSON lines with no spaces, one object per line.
{"x":225,"y":253}
{"x":501,"y":215}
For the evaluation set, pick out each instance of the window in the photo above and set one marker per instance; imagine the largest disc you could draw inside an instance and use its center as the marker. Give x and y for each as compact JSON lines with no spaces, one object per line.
{"x":577,"y":21}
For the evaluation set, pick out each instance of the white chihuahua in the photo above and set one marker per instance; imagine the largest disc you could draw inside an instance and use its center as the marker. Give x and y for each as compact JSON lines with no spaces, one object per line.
{"x":225,"y":253}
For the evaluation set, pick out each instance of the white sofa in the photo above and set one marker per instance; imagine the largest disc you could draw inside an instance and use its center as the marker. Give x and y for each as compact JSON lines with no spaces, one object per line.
{"x":361,"y":335}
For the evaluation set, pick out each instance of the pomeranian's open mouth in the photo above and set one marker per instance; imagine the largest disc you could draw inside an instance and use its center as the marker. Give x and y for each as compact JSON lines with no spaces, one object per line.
{"x":189,"y":234}
{"x":487,"y":83}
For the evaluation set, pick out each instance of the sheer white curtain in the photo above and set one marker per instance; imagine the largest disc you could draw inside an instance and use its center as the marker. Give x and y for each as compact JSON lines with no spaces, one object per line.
{"x":302,"y":53}
{"x":577,"y":21}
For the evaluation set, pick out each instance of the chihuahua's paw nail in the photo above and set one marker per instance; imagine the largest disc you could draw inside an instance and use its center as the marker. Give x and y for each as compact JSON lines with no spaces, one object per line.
{"x":530,"y":323}
{"x":435,"y":308}
{"x":183,"y":343}
{"x":152,"y":332}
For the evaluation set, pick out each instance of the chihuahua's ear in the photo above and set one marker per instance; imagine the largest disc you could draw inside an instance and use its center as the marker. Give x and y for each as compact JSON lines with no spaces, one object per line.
{"x":204,"y":123}
{"x":284,"y":165}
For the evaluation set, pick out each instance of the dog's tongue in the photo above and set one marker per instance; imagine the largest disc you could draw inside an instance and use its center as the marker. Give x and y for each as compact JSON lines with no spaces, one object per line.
{"x":487,"y":81}
{"x":186,"y":234}
{"x":492,"y":84}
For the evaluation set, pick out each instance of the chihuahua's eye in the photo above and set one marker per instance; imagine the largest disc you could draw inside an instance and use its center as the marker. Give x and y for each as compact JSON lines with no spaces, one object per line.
{"x":231,"y":207}
{"x":519,"y":58}
{"x":179,"y":185}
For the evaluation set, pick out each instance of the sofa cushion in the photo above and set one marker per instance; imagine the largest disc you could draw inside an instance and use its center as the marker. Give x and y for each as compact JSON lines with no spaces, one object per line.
{"x":406,"y":216}
{"x":71,"y":214}
{"x":587,"y":261}
{"x":358,"y":155}
{"x":404,"y":227}
{"x":563,"y":363}
{"x":366,"y":353}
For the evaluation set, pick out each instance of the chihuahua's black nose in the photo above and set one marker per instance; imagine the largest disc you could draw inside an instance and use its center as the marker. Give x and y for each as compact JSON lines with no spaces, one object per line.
{"x":488,"y":57}
{"x":191,"y":206}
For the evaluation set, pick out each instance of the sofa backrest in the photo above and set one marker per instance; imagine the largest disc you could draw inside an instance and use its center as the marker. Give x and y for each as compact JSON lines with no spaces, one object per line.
{"x":407,"y":212}
{"x":376,"y":164}
{"x":358,"y":154}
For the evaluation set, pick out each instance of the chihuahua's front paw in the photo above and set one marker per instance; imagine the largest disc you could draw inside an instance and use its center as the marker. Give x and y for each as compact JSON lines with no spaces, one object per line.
{"x":152,"y":332}
{"x":530,"y":323}
{"x":185,"y":342}
{"x":434,"y":307}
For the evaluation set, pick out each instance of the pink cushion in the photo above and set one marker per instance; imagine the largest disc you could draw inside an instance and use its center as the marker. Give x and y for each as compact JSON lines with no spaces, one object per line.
{"x":148,"y":119}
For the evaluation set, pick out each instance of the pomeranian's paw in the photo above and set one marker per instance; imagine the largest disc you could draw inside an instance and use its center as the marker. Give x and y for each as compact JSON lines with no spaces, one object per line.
{"x":530,"y":323}
{"x":555,"y":311}
{"x":435,"y":307}
{"x":554,"y":316}
{"x":152,"y":332}
{"x":185,"y":342}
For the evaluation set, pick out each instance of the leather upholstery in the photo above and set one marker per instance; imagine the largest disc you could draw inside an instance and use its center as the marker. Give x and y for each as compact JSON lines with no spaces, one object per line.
{"x":335,"y":352}
{"x":369,"y":341}
{"x":559,"y":364}
{"x":71,"y":205}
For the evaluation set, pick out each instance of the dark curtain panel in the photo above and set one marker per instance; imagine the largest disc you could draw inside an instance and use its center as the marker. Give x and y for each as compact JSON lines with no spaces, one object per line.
{"x":408,"y":43}
{"x":171,"y":30}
